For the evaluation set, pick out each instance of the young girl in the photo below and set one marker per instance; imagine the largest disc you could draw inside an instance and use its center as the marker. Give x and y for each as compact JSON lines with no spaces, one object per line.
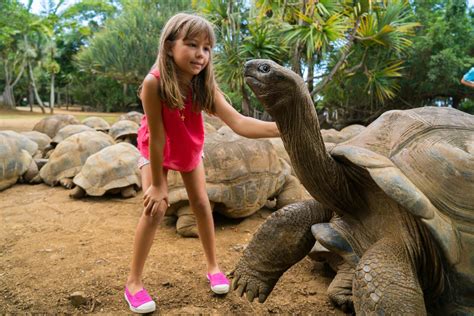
{"x":180,"y":85}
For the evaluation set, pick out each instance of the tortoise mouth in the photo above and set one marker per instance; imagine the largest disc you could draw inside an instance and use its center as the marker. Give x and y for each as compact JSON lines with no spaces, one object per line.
{"x":254,"y":83}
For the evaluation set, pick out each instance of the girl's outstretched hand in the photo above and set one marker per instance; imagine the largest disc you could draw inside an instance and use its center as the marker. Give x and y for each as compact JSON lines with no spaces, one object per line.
{"x":155,"y":200}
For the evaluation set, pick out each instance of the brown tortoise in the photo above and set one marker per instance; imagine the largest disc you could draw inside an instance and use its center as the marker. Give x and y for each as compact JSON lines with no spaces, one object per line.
{"x":241,"y":175}
{"x":395,"y":204}
{"x":112,"y":170}
{"x":124,"y":131}
{"x":70,"y":155}
{"x":16,"y":162}
{"x":50,"y":125}
{"x":97,"y":123}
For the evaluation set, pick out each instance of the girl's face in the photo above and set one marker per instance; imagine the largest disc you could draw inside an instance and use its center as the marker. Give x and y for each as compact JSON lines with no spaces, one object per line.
{"x":191,"y":55}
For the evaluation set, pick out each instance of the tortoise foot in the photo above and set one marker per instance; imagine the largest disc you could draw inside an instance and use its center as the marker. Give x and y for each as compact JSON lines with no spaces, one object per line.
{"x":77,"y":193}
{"x":254,"y":284}
{"x":186,"y":225}
{"x":128,"y":192}
{"x":67,"y":183}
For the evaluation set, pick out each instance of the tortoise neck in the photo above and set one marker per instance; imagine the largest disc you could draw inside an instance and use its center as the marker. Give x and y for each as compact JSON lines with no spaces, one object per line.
{"x":320,"y":174}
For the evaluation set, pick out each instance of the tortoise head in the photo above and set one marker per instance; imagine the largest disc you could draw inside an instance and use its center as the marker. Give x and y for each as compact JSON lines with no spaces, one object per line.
{"x":275,"y":86}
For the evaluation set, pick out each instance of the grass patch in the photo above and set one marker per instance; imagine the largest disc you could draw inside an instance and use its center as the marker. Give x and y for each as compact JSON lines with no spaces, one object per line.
{"x":13,"y":115}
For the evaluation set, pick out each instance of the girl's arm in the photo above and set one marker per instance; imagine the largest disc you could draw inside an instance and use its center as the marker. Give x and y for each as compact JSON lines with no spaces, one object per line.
{"x":467,"y":83}
{"x":243,"y":125}
{"x":152,"y":105}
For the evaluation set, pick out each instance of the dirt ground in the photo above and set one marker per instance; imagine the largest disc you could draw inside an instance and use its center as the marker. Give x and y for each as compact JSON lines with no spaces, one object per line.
{"x":52,"y":246}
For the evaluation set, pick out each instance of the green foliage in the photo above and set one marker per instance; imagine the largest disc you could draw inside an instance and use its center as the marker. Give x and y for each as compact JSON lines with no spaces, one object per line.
{"x":102,"y":93}
{"x":320,"y":25}
{"x":126,"y":48}
{"x":467,"y":106}
{"x":403,"y":53}
{"x":443,"y":52}
{"x":369,"y":78}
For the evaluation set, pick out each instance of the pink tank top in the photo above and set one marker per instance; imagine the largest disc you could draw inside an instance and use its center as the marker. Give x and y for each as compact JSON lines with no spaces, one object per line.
{"x":184,"y":136}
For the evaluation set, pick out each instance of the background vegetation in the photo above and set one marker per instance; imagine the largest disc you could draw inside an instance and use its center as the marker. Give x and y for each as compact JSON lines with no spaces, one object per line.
{"x":358,"y":58}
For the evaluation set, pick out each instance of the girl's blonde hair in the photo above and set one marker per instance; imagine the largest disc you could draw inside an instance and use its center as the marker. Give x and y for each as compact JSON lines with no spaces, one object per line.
{"x":203,"y":85}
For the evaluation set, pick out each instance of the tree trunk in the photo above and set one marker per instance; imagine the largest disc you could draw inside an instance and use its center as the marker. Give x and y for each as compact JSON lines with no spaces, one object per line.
{"x":246,"y":109}
{"x":456,"y":101}
{"x":8,"y":96}
{"x":310,"y":75}
{"x":51,"y":95}
{"x":32,"y":78}
{"x":31,"y":96}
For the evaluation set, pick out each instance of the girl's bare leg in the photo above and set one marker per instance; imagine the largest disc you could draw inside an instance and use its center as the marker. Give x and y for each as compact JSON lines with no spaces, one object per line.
{"x":144,"y":235}
{"x":195,"y":183}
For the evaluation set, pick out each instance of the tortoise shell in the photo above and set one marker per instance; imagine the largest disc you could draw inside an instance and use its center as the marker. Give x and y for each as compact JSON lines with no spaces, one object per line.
{"x":70,"y":155}
{"x":110,"y":168}
{"x":52,"y":124}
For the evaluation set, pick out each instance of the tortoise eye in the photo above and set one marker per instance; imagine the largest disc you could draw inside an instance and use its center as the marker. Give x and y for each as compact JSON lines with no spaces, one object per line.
{"x":264,"y":68}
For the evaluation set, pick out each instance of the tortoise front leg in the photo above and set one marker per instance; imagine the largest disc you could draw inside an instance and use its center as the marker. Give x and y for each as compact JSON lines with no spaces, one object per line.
{"x":386,"y":282}
{"x":283,"y":239}
{"x":186,"y":225}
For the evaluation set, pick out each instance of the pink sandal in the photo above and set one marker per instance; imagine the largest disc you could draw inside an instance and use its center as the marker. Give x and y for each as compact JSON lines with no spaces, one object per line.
{"x":141,"y":302}
{"x":219,"y":283}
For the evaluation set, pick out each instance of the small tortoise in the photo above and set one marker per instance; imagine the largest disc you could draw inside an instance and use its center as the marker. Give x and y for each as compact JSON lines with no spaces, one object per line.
{"x":395,"y":203}
{"x":70,"y":155}
{"x":133,"y":116}
{"x":124,"y":131}
{"x":112,"y":170}
{"x":241,"y":176}
{"x":97,"y":123}
{"x":52,"y":124}
{"x":16,"y":162}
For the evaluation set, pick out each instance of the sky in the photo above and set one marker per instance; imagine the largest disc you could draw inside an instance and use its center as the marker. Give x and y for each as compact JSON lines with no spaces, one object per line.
{"x":38,"y":4}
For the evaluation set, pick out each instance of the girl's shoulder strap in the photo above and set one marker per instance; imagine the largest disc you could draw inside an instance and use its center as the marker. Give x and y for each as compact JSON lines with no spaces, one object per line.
{"x":155,"y":72}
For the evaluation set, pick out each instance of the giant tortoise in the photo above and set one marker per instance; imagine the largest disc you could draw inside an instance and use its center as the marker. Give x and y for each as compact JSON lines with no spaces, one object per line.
{"x":133,"y":116}
{"x":41,"y":139}
{"x":50,"y":125}
{"x":241,"y":176}
{"x":70,"y":155}
{"x":16,"y":162}
{"x":97,"y":123}
{"x":395,"y":203}
{"x":124,"y":131}
{"x":67,"y":131}
{"x":112,"y":170}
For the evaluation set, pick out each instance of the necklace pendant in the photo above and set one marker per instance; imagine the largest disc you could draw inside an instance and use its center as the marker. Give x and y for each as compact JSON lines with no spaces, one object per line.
{"x":182,"y":117}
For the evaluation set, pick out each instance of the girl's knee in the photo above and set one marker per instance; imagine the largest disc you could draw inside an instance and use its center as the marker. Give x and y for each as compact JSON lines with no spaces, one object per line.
{"x":153,"y":221}
{"x":201,"y":206}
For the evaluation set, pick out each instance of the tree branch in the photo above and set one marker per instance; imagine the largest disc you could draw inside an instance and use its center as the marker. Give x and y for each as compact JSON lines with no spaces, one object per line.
{"x":345,"y":53}
{"x":23,"y":65}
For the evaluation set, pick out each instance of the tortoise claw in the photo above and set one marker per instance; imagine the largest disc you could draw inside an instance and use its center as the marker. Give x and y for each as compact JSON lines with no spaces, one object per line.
{"x":250,"y":296}
{"x":252,"y":286}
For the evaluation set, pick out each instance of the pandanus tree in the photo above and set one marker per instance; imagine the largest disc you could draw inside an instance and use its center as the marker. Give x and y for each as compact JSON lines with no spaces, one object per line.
{"x":369,"y":76}
{"x":343,"y":40}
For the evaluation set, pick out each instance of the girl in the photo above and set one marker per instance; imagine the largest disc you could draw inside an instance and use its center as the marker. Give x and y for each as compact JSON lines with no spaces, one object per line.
{"x":180,"y":85}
